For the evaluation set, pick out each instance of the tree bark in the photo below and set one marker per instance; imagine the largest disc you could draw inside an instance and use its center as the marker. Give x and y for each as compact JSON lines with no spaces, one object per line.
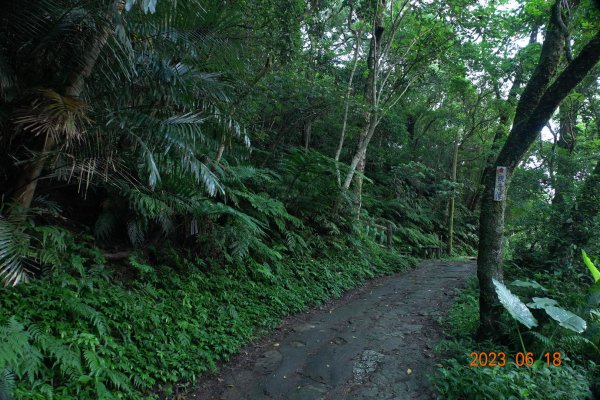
{"x":453,"y":169}
{"x":372,"y":114}
{"x":366,"y":137}
{"x":340,"y":146}
{"x":537,"y":104}
{"x":562,"y":172}
{"x":307,"y":134}
{"x":27,"y":182}
{"x":565,"y":171}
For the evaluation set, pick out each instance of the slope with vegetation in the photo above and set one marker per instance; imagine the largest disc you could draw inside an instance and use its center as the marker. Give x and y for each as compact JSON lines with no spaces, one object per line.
{"x":176,"y":176}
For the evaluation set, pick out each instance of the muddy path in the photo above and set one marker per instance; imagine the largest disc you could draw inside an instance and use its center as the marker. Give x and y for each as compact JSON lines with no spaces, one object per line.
{"x":373,"y":343}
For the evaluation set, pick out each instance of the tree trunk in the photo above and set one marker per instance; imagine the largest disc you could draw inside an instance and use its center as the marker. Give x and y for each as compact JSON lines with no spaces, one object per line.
{"x":307,"y":134}
{"x":372,"y":115}
{"x":358,"y":183}
{"x":449,"y":244}
{"x":338,"y":151}
{"x":27,"y":182}
{"x":366,"y":137}
{"x":489,"y":258}
{"x":536,"y":106}
{"x":559,"y":249}
{"x":565,"y":168}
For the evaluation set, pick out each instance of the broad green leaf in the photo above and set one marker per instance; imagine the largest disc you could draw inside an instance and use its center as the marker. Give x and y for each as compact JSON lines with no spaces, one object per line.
{"x":517,"y":309}
{"x":528,"y":284}
{"x":541,"y":302}
{"x":566,"y":319}
{"x":591,"y":266}
{"x":595,"y":288}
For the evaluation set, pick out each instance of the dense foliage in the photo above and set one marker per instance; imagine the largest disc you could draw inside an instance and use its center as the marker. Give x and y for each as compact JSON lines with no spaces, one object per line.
{"x":86,"y":333}
{"x":176,"y":176}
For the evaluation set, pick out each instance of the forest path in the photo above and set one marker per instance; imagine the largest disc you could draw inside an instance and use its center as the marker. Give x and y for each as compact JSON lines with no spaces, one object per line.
{"x":373,"y":343}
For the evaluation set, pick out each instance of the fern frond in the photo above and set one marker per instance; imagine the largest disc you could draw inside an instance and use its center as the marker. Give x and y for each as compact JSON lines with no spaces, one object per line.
{"x":577,"y":344}
{"x":544,"y":340}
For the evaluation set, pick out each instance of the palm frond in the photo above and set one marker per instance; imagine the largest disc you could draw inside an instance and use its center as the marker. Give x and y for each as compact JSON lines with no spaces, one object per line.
{"x":50,"y":113}
{"x":15,"y":253}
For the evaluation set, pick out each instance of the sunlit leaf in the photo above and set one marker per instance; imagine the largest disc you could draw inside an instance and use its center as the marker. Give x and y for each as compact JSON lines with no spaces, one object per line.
{"x":591,"y":266}
{"x":542,"y":302}
{"x":517,"y":309}
{"x":566,"y":319}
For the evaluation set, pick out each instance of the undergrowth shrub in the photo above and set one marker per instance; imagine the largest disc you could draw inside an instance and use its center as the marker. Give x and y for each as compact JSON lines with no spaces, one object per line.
{"x":459,"y":381}
{"x":456,"y":379}
{"x":463,"y":317}
{"x":84,"y":334}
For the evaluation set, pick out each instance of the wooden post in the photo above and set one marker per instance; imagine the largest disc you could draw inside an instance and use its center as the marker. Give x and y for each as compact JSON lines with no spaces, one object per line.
{"x":390,"y":234}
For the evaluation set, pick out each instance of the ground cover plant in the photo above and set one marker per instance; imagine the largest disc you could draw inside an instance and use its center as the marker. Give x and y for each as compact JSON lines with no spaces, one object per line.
{"x":81,"y":333}
{"x":536,"y":327}
{"x":177,"y":176}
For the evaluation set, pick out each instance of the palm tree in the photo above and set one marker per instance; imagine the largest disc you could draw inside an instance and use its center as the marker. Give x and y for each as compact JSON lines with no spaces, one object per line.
{"x":110,"y":95}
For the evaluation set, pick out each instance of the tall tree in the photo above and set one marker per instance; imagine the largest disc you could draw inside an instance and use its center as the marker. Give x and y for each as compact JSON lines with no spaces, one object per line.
{"x":545,"y":90}
{"x":394,"y":63}
{"x":356,"y":36}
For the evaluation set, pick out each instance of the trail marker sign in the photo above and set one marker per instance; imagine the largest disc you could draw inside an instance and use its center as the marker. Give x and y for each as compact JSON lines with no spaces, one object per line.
{"x":500,"y":188}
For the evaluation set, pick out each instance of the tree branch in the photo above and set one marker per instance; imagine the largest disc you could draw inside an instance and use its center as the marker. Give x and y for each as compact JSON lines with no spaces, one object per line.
{"x":572,"y":75}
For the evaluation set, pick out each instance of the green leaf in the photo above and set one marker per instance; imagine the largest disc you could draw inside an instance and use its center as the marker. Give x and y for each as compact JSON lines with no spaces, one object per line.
{"x":566,"y":319}
{"x":542,"y":302}
{"x":595,"y":288}
{"x":591,"y":266}
{"x":517,"y":309}
{"x":528,"y":284}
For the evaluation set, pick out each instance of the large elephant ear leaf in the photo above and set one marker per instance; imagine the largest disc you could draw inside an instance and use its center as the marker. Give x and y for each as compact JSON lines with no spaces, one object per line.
{"x":528,"y":284}
{"x":517,"y":309}
{"x":566,"y":319}
{"x":591,"y":266}
{"x":541,"y":302}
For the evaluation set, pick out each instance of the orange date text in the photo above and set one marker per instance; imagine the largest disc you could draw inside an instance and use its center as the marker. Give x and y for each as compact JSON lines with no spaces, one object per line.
{"x":499,"y":359}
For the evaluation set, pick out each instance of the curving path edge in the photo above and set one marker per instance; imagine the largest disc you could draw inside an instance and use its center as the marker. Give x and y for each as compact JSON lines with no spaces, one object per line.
{"x":373,"y":343}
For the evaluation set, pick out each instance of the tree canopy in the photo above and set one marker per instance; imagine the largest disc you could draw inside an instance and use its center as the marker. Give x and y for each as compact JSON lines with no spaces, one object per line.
{"x":242,"y":134}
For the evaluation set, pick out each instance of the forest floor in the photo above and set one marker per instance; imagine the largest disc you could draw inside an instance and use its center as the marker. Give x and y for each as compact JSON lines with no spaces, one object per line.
{"x":375,"y":342}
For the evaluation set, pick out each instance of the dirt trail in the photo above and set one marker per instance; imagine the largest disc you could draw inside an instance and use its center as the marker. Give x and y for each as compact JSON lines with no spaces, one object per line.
{"x":373,"y":343}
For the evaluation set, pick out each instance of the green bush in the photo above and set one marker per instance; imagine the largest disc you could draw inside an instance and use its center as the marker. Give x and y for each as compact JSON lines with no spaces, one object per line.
{"x":459,"y":381}
{"x":463,"y":317}
{"x":95,"y":334}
